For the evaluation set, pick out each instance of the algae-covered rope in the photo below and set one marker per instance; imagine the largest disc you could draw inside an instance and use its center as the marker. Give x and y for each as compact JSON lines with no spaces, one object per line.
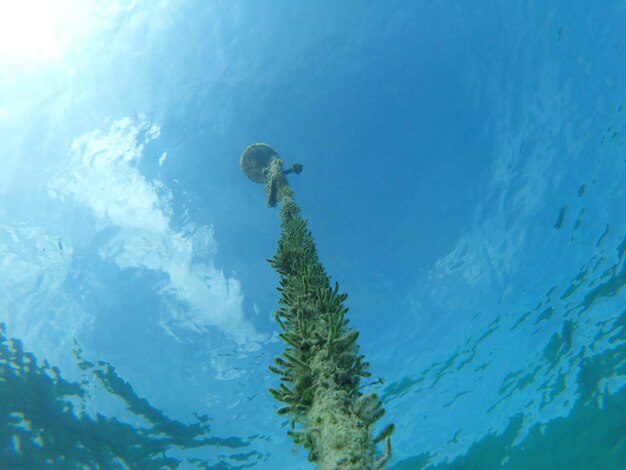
{"x":320,"y":369}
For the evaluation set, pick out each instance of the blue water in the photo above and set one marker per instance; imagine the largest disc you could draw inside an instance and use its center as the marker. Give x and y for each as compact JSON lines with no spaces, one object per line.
{"x":464,"y":178}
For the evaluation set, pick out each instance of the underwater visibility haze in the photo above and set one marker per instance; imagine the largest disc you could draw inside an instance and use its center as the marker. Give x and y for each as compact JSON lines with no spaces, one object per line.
{"x":438,"y":282}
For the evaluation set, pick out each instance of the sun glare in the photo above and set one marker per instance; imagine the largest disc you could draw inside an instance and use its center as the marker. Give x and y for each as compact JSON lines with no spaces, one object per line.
{"x":34,"y":31}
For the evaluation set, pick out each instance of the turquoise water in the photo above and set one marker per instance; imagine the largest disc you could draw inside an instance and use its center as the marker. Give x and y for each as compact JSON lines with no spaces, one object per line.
{"x":464,"y":178}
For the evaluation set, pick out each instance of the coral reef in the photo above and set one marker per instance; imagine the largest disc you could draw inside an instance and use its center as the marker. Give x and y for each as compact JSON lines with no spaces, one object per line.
{"x":321,"y":368}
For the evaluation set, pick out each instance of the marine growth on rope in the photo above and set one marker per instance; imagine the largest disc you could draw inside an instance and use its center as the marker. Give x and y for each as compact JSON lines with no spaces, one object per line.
{"x":320,"y":370}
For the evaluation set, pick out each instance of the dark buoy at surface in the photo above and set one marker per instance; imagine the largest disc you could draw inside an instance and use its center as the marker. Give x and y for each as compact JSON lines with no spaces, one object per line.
{"x":255,"y":160}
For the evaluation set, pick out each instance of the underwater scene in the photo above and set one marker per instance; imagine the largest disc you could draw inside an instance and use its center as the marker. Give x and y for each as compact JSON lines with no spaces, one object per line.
{"x":313,"y":234}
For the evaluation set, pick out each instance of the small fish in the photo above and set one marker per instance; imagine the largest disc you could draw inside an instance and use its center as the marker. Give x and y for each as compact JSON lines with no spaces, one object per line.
{"x":60,"y":244}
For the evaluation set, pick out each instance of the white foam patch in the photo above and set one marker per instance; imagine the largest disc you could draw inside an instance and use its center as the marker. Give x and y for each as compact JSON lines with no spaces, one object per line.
{"x":103,"y":175}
